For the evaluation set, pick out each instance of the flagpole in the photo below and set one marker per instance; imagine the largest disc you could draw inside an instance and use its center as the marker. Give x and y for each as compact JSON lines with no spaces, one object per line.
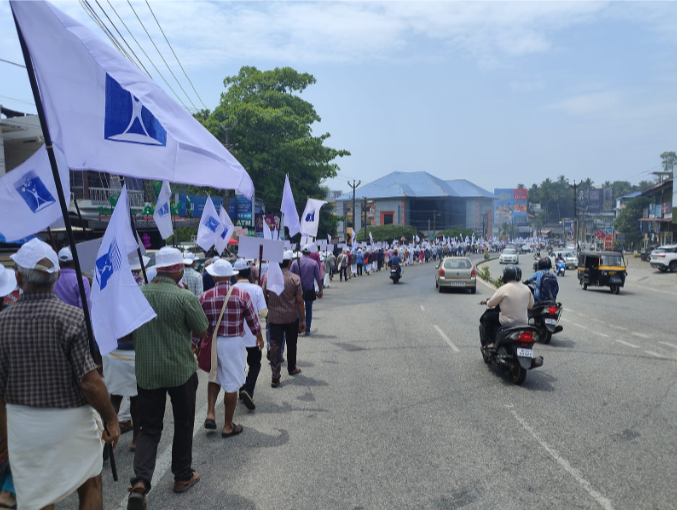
{"x":136,"y":234}
{"x":93,"y":348}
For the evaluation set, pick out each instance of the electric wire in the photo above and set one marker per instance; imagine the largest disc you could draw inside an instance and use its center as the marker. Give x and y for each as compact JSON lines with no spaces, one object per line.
{"x":12,"y":63}
{"x":161,"y":56}
{"x":96,"y":18}
{"x":175,"y":55}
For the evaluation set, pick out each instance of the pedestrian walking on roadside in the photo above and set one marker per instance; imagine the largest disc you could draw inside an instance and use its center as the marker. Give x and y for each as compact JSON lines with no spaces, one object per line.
{"x":286,"y":317}
{"x":166,"y":365}
{"x":250,"y":342}
{"x":51,"y":394}
{"x":191,"y":278}
{"x":342,"y":264}
{"x":66,"y":288}
{"x":227,"y":308}
{"x":309,"y":272}
{"x":360,"y":262}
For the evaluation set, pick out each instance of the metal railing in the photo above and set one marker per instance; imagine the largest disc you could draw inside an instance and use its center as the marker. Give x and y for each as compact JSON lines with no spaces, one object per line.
{"x":101,"y":196}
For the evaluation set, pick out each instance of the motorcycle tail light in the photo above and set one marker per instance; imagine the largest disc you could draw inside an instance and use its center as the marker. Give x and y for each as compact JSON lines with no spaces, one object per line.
{"x":526,"y":336}
{"x":552,"y":310}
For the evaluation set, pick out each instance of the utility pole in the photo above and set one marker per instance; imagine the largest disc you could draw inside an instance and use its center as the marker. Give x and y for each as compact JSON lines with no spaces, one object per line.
{"x":354,"y":187}
{"x":364,"y":222}
{"x":434,"y":224}
{"x":574,"y":225}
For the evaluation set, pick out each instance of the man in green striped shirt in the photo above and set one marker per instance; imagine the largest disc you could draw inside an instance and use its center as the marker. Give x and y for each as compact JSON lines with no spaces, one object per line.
{"x":166,"y":364}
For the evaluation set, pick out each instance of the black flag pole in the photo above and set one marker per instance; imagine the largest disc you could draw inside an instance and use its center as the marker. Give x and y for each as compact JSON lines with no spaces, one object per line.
{"x":136,"y":234}
{"x":93,"y":348}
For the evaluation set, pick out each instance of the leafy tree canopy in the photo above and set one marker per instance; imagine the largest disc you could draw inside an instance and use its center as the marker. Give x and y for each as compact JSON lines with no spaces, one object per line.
{"x":627,"y":221}
{"x":389,"y":233}
{"x":267,"y":126}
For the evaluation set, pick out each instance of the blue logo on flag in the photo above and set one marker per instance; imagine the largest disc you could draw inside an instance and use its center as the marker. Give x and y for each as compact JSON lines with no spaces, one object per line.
{"x":212,"y":223}
{"x":310,"y":216}
{"x":164,"y":210}
{"x":127,"y":120}
{"x":107,"y":264}
{"x":223,"y":234}
{"x":34,"y":192}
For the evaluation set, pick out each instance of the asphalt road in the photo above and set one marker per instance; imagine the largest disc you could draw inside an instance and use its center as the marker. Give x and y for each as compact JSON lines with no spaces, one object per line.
{"x":395,"y":409}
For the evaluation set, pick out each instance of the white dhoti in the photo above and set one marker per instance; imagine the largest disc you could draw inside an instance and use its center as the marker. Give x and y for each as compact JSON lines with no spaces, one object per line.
{"x":353,"y":268}
{"x":53,"y":452}
{"x":374,"y":266}
{"x":327,"y":281}
{"x":118,"y":372}
{"x":232,"y":359}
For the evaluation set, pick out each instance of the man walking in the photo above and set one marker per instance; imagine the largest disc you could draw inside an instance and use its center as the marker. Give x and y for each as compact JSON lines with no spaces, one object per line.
{"x":191,"y":277}
{"x":50,"y":391}
{"x":253,"y":350}
{"x":165,"y":364}
{"x":284,"y":311}
{"x":227,"y":308}
{"x":66,"y":288}
{"x":342,"y":263}
{"x":309,"y":271}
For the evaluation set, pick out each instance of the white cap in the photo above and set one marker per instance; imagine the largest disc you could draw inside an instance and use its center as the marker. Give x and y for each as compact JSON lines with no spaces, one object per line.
{"x":7,"y":281}
{"x":288,"y":255}
{"x":312,"y":247}
{"x":168,"y":256}
{"x":33,"y":252}
{"x":241,"y":264}
{"x":134,"y":261}
{"x":65,"y":255}
{"x":151,"y":273}
{"x":189,"y":259}
{"x":221,"y":268}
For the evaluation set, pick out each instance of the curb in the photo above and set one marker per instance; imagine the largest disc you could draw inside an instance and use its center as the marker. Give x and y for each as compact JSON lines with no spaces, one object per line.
{"x":491,"y":280}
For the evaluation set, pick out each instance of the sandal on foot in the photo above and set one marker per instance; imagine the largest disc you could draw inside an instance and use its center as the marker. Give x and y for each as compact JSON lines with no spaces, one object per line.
{"x":296,"y":371}
{"x":237,"y":429}
{"x":183,"y":486}
{"x":274,"y":384}
{"x":210,"y":424}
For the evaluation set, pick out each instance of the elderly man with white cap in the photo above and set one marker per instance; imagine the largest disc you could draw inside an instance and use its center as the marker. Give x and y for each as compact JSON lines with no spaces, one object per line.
{"x":228,"y":308}
{"x":66,"y":288}
{"x":191,"y":277}
{"x":309,"y":271}
{"x":166,"y":365}
{"x":50,"y":391}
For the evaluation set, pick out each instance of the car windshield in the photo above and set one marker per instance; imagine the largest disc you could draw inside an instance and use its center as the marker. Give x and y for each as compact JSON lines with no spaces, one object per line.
{"x":612,"y":260}
{"x":509,"y":251}
{"x":457,"y":264}
{"x":568,"y":255}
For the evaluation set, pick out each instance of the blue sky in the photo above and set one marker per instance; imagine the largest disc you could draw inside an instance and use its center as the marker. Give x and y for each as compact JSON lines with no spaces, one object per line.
{"x":498,"y":93}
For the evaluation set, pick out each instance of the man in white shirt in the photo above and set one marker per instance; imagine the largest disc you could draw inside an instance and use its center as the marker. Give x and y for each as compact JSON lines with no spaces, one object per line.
{"x":253,"y":352}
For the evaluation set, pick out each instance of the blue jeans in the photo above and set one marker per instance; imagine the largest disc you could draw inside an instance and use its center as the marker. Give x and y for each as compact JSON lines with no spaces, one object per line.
{"x":7,"y":482}
{"x":309,"y":314}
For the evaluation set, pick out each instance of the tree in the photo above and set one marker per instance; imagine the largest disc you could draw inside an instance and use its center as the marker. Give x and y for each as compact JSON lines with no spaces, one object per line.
{"x":627,"y":221}
{"x":268,"y":128}
{"x":668,"y":161}
{"x":390,"y":233}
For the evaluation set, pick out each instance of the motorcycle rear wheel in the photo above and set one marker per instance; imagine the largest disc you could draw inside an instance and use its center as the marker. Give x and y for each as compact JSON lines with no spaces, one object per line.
{"x":518,"y":375}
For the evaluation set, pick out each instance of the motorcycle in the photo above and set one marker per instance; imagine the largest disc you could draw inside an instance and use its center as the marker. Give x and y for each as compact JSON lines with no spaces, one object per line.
{"x":545,"y":317}
{"x":561,"y":267}
{"x":512,"y":350}
{"x":395,"y":275}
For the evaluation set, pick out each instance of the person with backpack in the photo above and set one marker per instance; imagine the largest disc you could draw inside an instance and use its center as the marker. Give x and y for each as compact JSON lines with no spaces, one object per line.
{"x":547,"y":287}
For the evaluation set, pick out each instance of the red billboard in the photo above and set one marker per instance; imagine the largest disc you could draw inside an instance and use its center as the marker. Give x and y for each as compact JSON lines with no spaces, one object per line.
{"x":519,"y":194}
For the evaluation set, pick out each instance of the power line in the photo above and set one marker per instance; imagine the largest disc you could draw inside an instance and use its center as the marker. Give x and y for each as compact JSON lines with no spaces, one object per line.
{"x":12,"y":63}
{"x":177,"y":58}
{"x":18,"y":100}
{"x":95,"y":17}
{"x":161,"y":56}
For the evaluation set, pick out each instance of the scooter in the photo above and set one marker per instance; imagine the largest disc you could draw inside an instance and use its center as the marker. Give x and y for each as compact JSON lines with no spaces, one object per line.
{"x":545,"y":317}
{"x":512,"y":350}
{"x":561,"y":267}
{"x":394,"y":275}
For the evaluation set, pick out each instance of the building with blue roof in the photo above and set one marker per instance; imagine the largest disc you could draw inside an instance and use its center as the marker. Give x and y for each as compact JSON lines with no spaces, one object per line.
{"x":419,"y":199}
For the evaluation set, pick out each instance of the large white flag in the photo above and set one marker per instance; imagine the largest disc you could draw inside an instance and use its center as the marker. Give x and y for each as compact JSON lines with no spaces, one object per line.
{"x":163,"y":212}
{"x":227,"y":233}
{"x":288,"y":208}
{"x":29,"y":201}
{"x":107,"y":115}
{"x":311,"y":217}
{"x":210,"y":229}
{"x":118,"y":305}
{"x":267,"y":234}
{"x":275,"y":278}
{"x":371,"y":239}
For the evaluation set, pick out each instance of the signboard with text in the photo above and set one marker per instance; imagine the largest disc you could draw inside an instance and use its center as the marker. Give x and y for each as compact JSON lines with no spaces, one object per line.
{"x":511,"y":206}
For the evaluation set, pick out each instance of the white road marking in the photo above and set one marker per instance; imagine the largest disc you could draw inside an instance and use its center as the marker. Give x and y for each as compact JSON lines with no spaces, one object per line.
{"x":641,"y":335}
{"x":564,"y":319}
{"x":618,"y":327}
{"x":663,"y":291}
{"x":628,"y":344}
{"x":668,"y":344}
{"x":446,"y":339}
{"x":597,"y":496}
{"x":654,"y":354}
{"x":164,"y":462}
{"x":596,"y":320}
{"x":601,"y":334}
{"x":422,"y":309}
{"x":579,"y":326}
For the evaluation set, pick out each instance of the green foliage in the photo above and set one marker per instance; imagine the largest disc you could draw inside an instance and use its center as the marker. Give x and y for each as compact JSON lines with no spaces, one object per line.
{"x":264,"y":122}
{"x":484,"y":273}
{"x":668,"y":161}
{"x":498,"y":282}
{"x":456,"y":232}
{"x":182,"y":234}
{"x":486,"y":256}
{"x":391,"y":233}
{"x":627,"y":221}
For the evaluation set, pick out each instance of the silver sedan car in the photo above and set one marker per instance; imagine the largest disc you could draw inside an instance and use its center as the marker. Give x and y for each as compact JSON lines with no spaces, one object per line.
{"x":455,"y":273}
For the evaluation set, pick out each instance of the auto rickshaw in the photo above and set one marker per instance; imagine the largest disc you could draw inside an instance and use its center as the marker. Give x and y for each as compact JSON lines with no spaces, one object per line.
{"x":601,"y":269}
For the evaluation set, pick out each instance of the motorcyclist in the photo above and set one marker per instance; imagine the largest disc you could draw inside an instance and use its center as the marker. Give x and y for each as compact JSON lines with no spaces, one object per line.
{"x":514,"y":298}
{"x":394,"y":263}
{"x":544,"y":266}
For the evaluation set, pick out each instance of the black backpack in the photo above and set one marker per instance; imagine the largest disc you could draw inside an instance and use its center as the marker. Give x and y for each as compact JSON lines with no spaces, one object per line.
{"x":549,"y":287}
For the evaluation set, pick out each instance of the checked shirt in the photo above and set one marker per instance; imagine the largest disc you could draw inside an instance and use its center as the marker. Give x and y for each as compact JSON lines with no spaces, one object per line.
{"x":239,"y":309}
{"x":44,"y":353}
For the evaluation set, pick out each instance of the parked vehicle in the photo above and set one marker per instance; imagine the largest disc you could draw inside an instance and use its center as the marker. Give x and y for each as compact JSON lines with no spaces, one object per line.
{"x":456,"y":273}
{"x":602,"y":269}
{"x":664,"y":258}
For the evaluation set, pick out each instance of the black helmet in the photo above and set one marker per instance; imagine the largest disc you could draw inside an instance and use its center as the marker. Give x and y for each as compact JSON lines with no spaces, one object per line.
{"x":545,"y":263}
{"x":512,"y":273}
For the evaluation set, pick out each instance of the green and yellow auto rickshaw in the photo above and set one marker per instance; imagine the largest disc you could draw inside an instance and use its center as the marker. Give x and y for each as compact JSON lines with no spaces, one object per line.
{"x":601,"y":269}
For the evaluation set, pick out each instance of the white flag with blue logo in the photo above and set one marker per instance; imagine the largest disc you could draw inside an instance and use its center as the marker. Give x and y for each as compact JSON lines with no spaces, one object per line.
{"x":163,"y":212}
{"x":211,"y":228}
{"x":118,"y":305}
{"x":29,"y":201}
{"x":311,"y":217}
{"x":227,"y":232}
{"x":107,"y":115}
{"x":288,"y":208}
